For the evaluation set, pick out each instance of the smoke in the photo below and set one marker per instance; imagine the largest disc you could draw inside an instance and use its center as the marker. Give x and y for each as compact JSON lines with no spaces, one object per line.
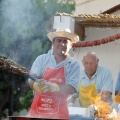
{"x":19,"y":16}
{"x":22,"y":26}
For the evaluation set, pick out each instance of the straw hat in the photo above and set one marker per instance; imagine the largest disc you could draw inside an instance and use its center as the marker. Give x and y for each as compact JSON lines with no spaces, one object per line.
{"x":63,"y":33}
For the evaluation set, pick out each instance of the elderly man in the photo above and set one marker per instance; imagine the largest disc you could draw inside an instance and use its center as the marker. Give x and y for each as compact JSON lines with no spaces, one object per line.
{"x":94,"y":80}
{"x":59,"y":76}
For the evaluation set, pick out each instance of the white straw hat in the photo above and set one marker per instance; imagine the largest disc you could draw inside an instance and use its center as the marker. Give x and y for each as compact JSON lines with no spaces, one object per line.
{"x":63,"y":33}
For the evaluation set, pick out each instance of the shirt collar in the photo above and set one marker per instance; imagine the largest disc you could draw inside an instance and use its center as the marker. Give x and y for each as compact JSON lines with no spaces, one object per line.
{"x":68,"y":59}
{"x":86,"y":77}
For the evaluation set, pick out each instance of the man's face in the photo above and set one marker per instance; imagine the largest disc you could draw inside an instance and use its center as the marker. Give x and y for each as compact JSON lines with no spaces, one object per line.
{"x":90,"y":62}
{"x":61,"y":45}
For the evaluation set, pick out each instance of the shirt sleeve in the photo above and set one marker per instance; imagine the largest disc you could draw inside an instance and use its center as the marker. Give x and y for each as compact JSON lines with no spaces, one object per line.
{"x":107,"y":80}
{"x":117,"y":88}
{"x":73,"y":74}
{"x":39,"y":65}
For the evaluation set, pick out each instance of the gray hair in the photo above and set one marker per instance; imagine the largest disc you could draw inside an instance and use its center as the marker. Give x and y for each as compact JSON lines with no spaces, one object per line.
{"x":91,"y":53}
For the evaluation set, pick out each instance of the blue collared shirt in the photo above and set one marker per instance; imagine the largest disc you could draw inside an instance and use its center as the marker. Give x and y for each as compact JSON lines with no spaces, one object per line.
{"x":117,"y":88}
{"x":102,"y":77}
{"x":72,"y":67}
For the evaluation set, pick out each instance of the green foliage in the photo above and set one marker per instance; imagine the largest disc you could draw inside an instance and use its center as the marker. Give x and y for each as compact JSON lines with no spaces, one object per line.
{"x":26,"y":99}
{"x":24,"y":36}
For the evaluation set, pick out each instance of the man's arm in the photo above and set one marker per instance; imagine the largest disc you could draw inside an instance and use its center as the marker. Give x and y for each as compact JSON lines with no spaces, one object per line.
{"x":117,"y":88}
{"x":107,"y":88}
{"x":117,"y":93}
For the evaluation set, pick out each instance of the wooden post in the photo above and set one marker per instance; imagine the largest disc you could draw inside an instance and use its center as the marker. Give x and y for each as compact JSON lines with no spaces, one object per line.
{"x":11,"y":94}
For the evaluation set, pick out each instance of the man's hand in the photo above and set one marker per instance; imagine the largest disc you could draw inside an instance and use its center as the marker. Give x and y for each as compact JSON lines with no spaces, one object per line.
{"x":39,"y":86}
{"x":42,"y":86}
{"x":52,"y":87}
{"x":105,"y":96}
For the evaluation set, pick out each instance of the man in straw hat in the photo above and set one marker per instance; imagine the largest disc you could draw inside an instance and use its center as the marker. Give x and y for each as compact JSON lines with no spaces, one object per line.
{"x":59,"y":75}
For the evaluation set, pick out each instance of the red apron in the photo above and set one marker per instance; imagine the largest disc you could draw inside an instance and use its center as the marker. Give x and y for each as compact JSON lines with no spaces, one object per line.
{"x":51,"y":104}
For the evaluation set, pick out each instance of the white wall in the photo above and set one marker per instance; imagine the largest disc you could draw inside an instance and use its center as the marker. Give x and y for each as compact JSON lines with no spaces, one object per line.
{"x":94,"y":6}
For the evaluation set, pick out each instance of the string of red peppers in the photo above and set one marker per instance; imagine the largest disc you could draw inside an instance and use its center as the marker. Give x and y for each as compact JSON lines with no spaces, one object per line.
{"x":97,"y":42}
